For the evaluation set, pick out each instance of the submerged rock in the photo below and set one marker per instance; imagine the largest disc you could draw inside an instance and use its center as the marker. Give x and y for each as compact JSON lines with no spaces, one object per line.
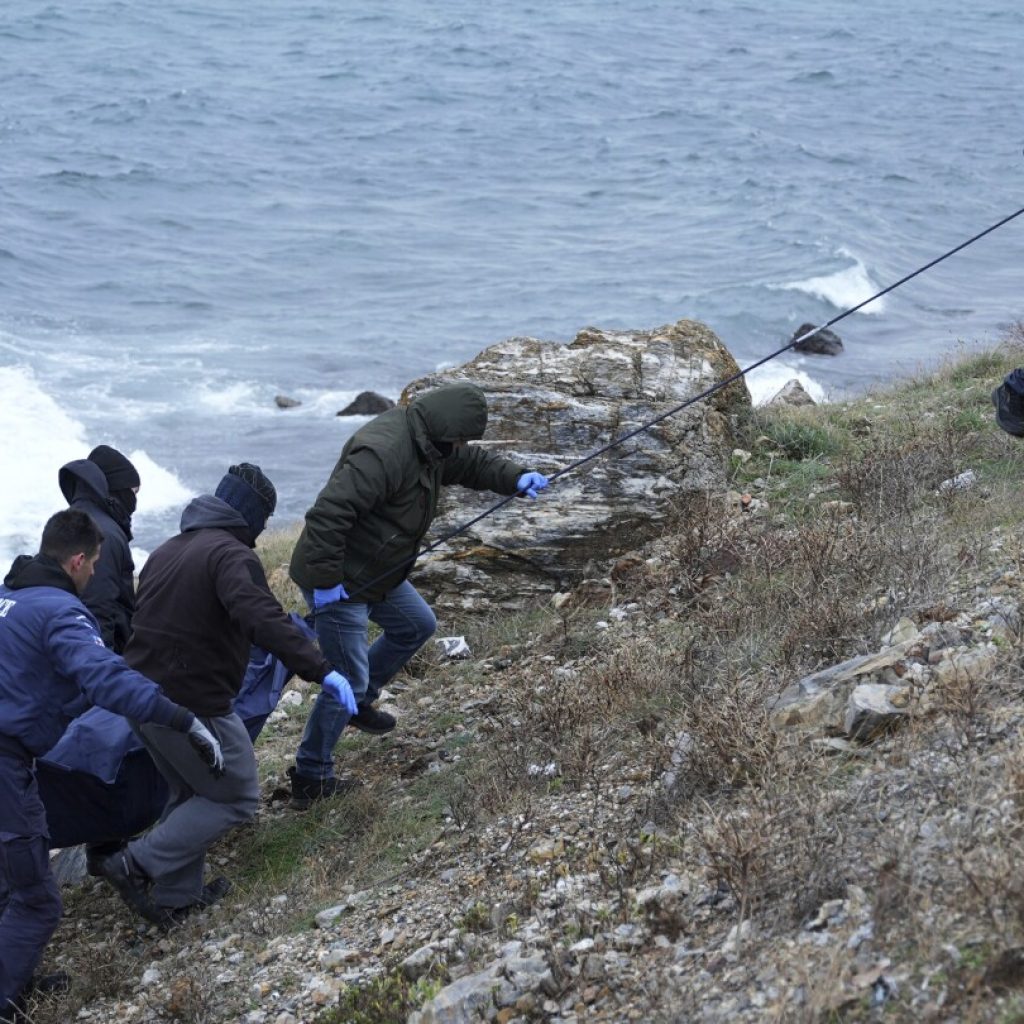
{"x":367,"y":403}
{"x":824,"y":343}
{"x":552,"y":404}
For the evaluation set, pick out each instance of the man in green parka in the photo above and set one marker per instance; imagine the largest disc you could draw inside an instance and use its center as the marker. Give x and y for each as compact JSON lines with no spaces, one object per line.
{"x":359,"y":545}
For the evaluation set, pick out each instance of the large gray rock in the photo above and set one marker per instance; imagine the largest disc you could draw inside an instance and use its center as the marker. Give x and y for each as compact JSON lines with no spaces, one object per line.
{"x":550,"y":405}
{"x":466,"y":1001}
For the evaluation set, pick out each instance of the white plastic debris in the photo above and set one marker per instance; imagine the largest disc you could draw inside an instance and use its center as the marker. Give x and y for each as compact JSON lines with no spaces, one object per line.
{"x":961,"y":482}
{"x":454,"y":647}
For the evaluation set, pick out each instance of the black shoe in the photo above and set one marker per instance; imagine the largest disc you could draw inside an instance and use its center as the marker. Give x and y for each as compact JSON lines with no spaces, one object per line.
{"x":97,"y":853}
{"x":121,"y":872}
{"x":49,"y":984}
{"x":1009,"y":409}
{"x":307,"y":790}
{"x":213,"y":892}
{"x":369,"y":719}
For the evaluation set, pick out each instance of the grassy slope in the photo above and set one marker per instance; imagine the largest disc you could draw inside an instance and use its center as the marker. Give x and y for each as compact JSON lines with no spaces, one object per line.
{"x":729,"y":609}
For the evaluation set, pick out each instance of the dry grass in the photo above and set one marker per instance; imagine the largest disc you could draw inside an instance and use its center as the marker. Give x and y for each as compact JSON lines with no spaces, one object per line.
{"x":735,"y":609}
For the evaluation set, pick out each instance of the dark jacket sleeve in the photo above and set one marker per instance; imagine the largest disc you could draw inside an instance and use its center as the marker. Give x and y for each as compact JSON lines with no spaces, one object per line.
{"x":357,"y":485}
{"x":110,"y":593}
{"x":76,"y":651}
{"x":481,"y":470}
{"x":243,"y":590}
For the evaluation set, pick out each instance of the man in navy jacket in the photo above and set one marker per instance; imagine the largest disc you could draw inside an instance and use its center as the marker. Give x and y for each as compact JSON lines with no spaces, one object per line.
{"x":53,"y":665}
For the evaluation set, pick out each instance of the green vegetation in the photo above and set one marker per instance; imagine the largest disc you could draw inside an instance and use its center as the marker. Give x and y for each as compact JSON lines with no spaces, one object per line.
{"x":384,"y":1000}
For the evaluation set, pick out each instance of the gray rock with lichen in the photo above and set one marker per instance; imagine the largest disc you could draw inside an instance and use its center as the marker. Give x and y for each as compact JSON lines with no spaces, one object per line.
{"x":550,"y":405}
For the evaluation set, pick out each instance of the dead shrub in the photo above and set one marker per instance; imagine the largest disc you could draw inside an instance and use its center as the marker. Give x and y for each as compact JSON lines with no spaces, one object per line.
{"x":781,"y":850}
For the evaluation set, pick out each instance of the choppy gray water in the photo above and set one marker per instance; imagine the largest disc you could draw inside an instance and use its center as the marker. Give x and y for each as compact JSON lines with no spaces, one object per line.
{"x":204,"y":205}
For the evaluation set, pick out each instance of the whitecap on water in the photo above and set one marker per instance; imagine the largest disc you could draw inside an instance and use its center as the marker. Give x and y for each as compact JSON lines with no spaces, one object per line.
{"x":843,"y":289}
{"x":767,"y":381}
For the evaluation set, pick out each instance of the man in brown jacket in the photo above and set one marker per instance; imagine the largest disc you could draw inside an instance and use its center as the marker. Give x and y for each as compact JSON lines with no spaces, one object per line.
{"x":203,"y":601}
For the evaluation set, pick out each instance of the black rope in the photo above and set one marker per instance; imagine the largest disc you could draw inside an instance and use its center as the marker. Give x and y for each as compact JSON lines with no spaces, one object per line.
{"x":696,"y":398}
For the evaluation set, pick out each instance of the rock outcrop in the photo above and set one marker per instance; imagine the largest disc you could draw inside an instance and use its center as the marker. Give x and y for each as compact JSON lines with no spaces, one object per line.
{"x":865,"y":696}
{"x":551,"y":405}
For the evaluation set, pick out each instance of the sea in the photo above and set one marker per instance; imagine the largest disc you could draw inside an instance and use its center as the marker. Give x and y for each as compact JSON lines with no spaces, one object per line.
{"x":205,"y":204}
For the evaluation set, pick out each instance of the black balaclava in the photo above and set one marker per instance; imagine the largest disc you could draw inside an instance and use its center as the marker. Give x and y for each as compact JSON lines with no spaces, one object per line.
{"x":122,"y":477}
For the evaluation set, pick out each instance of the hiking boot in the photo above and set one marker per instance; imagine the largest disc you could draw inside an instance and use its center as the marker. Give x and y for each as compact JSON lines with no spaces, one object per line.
{"x":307,"y":790}
{"x":369,"y":719}
{"x":213,"y":892}
{"x":131,"y":885}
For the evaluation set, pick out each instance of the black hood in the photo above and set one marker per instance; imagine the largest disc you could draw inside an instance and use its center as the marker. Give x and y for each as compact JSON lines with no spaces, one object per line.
{"x":83,"y":480}
{"x":455,"y":412}
{"x":41,"y":571}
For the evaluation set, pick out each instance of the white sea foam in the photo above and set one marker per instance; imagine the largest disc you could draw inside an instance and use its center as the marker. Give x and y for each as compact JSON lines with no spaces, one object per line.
{"x":160,"y":489}
{"x":39,"y":437}
{"x":242,"y":397}
{"x":766,"y":381}
{"x":843,"y":289}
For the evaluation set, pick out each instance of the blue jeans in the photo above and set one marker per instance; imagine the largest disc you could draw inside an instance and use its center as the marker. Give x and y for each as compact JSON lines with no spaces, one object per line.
{"x":341,"y":627}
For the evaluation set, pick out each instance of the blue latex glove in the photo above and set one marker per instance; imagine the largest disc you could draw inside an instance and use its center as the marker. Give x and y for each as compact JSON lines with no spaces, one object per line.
{"x":531,"y":483}
{"x":329,"y":596}
{"x":338,"y":687}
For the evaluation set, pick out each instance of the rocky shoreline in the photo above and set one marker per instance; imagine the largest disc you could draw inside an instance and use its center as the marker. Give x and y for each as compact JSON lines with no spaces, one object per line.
{"x":760,"y":766}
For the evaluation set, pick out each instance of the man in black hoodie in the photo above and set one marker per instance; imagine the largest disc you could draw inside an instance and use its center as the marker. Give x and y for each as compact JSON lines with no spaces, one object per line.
{"x":203,"y":601}
{"x":105,"y":485}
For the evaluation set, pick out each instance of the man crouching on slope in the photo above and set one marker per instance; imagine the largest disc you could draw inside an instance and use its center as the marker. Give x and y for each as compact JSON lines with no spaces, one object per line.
{"x":203,"y":601}
{"x":53,"y":665}
{"x":360,"y":542}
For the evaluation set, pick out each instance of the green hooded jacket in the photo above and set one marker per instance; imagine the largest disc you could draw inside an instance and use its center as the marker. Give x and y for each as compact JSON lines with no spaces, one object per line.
{"x":382,"y":496}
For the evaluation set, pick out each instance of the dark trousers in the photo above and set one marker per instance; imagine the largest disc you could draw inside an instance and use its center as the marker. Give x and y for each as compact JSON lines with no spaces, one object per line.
{"x":201,"y":808}
{"x":30,"y":904}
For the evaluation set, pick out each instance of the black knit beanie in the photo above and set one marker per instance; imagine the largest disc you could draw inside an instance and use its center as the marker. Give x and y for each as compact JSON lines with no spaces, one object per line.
{"x":247,"y":490}
{"x":120,"y":473}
